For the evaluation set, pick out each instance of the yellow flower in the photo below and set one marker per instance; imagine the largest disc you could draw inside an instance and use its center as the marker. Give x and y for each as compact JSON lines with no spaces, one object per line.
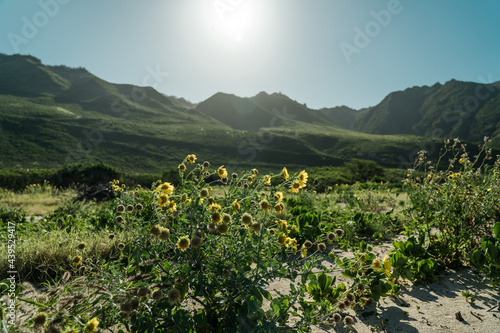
{"x":172,"y":206}
{"x":267,"y":180}
{"x":303,"y":252}
{"x":295,"y":187}
{"x":204,"y":193}
{"x":279,"y":207}
{"x":387,"y":266}
{"x":77,"y":260}
{"x":255,"y":171}
{"x":285,"y":173}
{"x":283,"y":225}
{"x":461,"y":160}
{"x":246,"y":219}
{"x":376,"y":265}
{"x":183,"y":243}
{"x":303,"y":178}
{"x":214,"y":207}
{"x":278,"y":196}
{"x":191,"y":158}
{"x":166,"y":188}
{"x":115,"y":188}
{"x":236,"y":205}
{"x":92,"y":325}
{"x":216,"y":217}
{"x":363,"y":302}
{"x":222,"y":172}
{"x":182,"y":167}
{"x":162,"y":201}
{"x":264,"y":204}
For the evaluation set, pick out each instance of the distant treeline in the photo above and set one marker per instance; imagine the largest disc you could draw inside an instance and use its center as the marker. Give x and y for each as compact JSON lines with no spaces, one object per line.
{"x":97,"y":174}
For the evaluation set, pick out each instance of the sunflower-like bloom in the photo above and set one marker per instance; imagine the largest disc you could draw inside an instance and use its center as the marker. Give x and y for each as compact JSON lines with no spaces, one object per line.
{"x":264,"y":204}
{"x":246,"y":219}
{"x":285,"y":173}
{"x":321,"y":247}
{"x":216,"y":217}
{"x":348,"y":321}
{"x":214,"y":207}
{"x":281,"y":240}
{"x":376,"y":265}
{"x":303,"y":178}
{"x":190,"y":159}
{"x":162,"y":200}
{"x":204,"y":193}
{"x":236,"y":205}
{"x":174,"y":295}
{"x":279,"y":207}
{"x":278,"y":196}
{"x":166,"y":188}
{"x":386,"y":263}
{"x":77,"y":260}
{"x":363,"y":301}
{"x":172,"y":206}
{"x":182,"y":167}
{"x":267,"y":180}
{"x":196,"y":241}
{"x":295,"y":187}
{"x":164,"y":234}
{"x":183,"y":243}
{"x":222,"y":172}
{"x":226,"y":218}
{"x":303,"y":252}
{"x":92,"y":325}
{"x":40,"y":318}
{"x":256,"y":227}
{"x":81,"y":245}
{"x":222,"y":228}
{"x":255,"y":171}
{"x":155,"y":230}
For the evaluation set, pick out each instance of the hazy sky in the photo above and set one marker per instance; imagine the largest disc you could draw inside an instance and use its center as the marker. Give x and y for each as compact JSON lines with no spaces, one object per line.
{"x":320,"y":52}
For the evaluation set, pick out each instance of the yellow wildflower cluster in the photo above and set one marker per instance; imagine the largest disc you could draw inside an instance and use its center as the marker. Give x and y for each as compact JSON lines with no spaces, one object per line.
{"x":386,"y":265}
{"x":283,"y":225}
{"x":166,"y":188}
{"x":287,"y":242}
{"x":300,"y":183}
{"x":190,"y":159}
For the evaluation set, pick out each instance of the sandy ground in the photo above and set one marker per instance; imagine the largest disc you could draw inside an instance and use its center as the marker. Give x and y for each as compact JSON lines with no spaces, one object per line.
{"x":430,"y":308}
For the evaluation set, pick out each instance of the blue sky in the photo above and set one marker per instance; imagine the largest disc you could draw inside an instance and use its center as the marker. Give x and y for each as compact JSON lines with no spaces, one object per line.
{"x":320,"y":52}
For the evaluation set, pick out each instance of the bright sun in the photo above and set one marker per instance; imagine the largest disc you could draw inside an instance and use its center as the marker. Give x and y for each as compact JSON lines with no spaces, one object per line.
{"x":233,"y":19}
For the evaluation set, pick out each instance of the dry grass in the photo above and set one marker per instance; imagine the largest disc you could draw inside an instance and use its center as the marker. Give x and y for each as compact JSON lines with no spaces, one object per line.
{"x":37,"y":199}
{"x":49,"y":254}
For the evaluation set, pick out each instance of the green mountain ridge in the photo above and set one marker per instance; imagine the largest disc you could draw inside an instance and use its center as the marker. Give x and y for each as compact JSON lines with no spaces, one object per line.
{"x":467,"y":110}
{"x":56,"y":115}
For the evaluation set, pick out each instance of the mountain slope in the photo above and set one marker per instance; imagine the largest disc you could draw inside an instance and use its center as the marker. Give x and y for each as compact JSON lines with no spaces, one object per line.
{"x":456,"y":109}
{"x":55,"y":115}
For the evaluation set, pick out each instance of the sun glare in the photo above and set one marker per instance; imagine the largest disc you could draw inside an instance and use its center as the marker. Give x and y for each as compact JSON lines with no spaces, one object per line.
{"x":233,"y":20}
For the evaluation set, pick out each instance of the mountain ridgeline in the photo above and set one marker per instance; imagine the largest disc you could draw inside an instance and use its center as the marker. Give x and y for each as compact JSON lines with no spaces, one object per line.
{"x":56,"y":115}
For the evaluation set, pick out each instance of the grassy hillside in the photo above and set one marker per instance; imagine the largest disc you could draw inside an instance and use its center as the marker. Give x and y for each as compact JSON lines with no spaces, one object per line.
{"x":55,"y":115}
{"x":456,"y":109}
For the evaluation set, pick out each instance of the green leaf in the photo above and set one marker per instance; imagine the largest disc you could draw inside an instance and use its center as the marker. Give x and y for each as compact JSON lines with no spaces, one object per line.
{"x":322,"y":280}
{"x":496,"y":230}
